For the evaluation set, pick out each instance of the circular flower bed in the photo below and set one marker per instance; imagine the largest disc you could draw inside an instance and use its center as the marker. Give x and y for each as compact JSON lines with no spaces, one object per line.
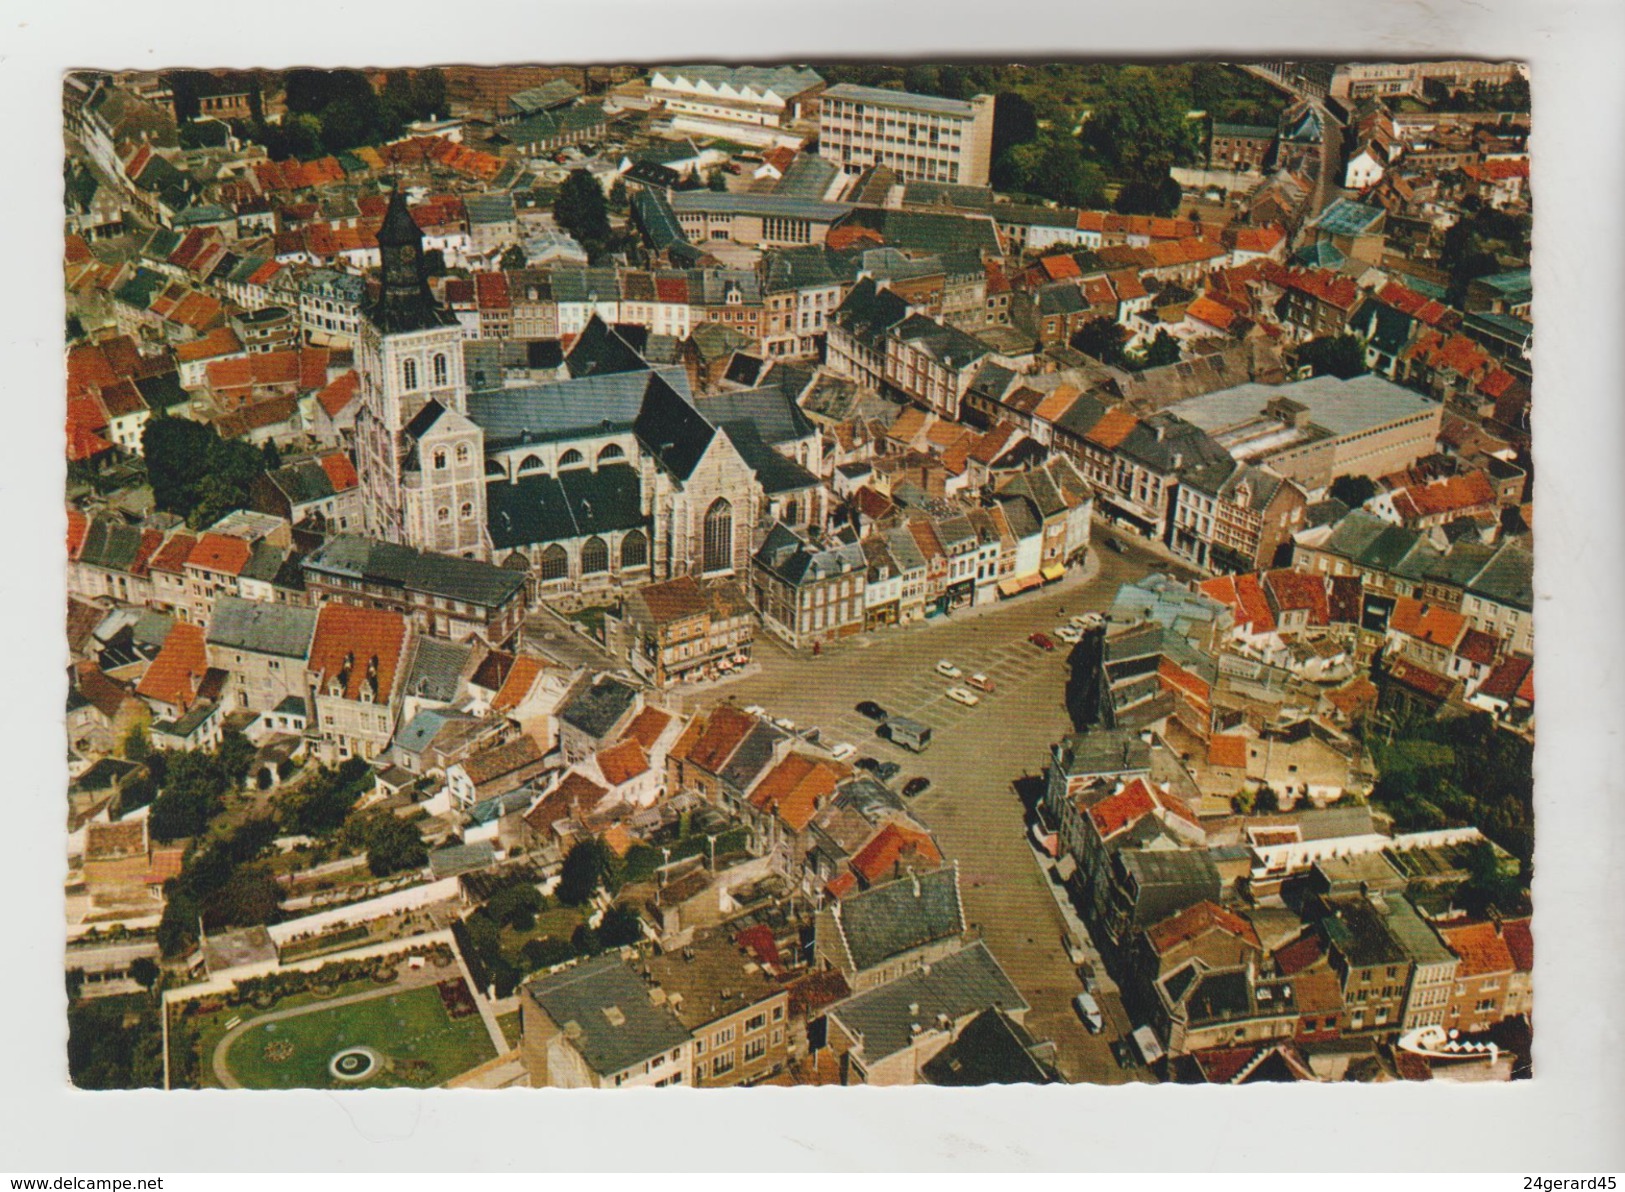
{"x":353,"y":1064}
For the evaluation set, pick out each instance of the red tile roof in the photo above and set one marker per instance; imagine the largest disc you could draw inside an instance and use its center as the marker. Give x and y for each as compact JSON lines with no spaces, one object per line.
{"x":360,"y":635}
{"x":1481,"y":947}
{"x":724,"y":730}
{"x":1263,"y":240}
{"x":796,"y":788}
{"x":222,"y":341}
{"x":171,"y":559}
{"x":1516,"y":934}
{"x":622,"y":762}
{"x":1322,"y":284}
{"x":1479,"y":647}
{"x":1295,"y":590}
{"x":516,"y":687}
{"x":88,"y":369}
{"x":1300,"y":954}
{"x":175,"y":674}
{"x":1227,"y":750}
{"x":221,"y":553}
{"x":1113,"y":427}
{"x":647,"y":727}
{"x":1432,"y":623}
{"x":339,"y":393}
{"x":340,"y":471}
{"x":1196,"y":921}
{"x":1214,"y":314}
{"x":879,"y":858}
{"x":78,"y":524}
{"x":1116,"y":812}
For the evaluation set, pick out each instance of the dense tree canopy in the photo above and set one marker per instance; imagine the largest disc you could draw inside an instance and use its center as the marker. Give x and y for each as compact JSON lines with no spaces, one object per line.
{"x":194,"y":472}
{"x":580,"y":209}
{"x":586,"y":867}
{"x":1333,"y":355}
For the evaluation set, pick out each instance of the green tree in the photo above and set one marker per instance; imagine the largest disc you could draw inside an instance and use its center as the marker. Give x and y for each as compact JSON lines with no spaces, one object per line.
{"x":1266,"y":801}
{"x":516,"y":905}
{"x":249,"y":897}
{"x":1353,"y":491}
{"x":193,"y":786}
{"x":1101,"y":338}
{"x":137,"y":744}
{"x":1333,"y":355}
{"x":619,"y":200}
{"x":1139,"y":127}
{"x":716,"y":180}
{"x":176,"y":451}
{"x":513,"y":258}
{"x":545,"y":953}
{"x":580,"y":209}
{"x":585,"y":941}
{"x":392,"y":844}
{"x":272,"y":454}
{"x":1064,"y":175}
{"x":1014,"y":122}
{"x":144,"y":972}
{"x":1148,"y":194}
{"x":111,"y":1048}
{"x":235,"y":753}
{"x":620,"y":927}
{"x":1163,"y":349}
{"x":586,"y":867}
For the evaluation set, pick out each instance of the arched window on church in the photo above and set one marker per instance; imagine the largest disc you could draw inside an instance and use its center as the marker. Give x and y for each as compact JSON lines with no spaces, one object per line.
{"x":439,"y":368}
{"x":612,"y":451}
{"x":495,"y":470}
{"x":531,"y":463}
{"x":443,"y":515}
{"x":634,"y":550}
{"x":463,"y":453}
{"x":467,"y":511}
{"x":571,"y":458}
{"x":409,"y":373}
{"x":594,"y":556}
{"x":440,"y":459}
{"x":554,"y":563}
{"x":790,"y":512}
{"x":719,"y":536}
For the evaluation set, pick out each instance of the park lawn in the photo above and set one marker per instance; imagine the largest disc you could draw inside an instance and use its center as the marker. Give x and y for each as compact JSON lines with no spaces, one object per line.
{"x":510,"y":1027}
{"x":403,"y":1026}
{"x":559,"y":922}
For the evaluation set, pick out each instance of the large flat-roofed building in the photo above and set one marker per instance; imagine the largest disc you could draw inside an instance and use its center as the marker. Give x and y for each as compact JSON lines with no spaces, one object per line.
{"x":921,"y":137}
{"x":1311,"y":431}
{"x":772,"y":221}
{"x":763,"y":96}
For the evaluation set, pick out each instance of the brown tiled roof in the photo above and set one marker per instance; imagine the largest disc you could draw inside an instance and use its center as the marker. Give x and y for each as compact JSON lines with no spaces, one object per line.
{"x":724,"y":730}
{"x":647,"y":726}
{"x":177,"y":671}
{"x":499,"y":761}
{"x":1196,"y":921}
{"x":360,"y":634}
{"x":622,"y":762}
{"x":1481,"y":947}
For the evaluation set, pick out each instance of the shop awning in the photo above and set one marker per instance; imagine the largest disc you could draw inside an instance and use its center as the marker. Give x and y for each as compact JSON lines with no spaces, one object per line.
{"x":1054,"y":572}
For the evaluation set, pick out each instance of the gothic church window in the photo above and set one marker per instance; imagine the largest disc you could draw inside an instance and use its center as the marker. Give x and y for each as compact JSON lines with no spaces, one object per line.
{"x":594,"y":556}
{"x":555,"y":563}
{"x":409,"y":373}
{"x":634,"y":550}
{"x":719,"y":536}
{"x":439,"y":368}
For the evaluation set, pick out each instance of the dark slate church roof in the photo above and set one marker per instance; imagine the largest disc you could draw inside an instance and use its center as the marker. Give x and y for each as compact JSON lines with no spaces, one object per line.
{"x":575,"y":503}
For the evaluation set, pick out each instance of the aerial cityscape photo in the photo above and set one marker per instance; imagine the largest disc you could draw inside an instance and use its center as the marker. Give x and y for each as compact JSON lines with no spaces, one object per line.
{"x":798,"y":574}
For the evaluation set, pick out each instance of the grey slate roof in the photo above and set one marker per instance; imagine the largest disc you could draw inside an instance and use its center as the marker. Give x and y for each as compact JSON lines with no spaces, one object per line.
{"x":606,"y":1013}
{"x":902,"y":915}
{"x":595,"y":708}
{"x":465,"y":580}
{"x":436,"y":669}
{"x":575,"y":503}
{"x":855,"y":93}
{"x":284,"y":630}
{"x":1341,"y":407}
{"x":964,"y":983}
{"x":566,"y":409}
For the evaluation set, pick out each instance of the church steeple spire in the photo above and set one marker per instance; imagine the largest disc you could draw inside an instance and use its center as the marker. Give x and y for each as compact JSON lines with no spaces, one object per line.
{"x":404,"y":302}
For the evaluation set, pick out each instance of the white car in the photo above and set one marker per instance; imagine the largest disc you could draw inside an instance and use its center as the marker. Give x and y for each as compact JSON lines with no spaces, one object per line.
{"x":1068,"y":634}
{"x":843,"y":751}
{"x":964,"y":695}
{"x":948,"y":670}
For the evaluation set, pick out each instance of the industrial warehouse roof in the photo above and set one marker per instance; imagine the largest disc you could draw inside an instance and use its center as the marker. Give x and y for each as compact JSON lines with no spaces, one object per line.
{"x":1341,"y":407}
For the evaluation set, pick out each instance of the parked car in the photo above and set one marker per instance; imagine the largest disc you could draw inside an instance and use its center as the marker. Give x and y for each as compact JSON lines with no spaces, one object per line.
{"x":1089,"y":1010}
{"x":1042,"y":641}
{"x":1125,"y":1055}
{"x":963,"y":695}
{"x":842,"y":751}
{"x":916,"y":786}
{"x":1068,"y":634}
{"x":871,"y":709}
{"x":948,"y":670}
{"x":885,"y":771}
{"x":981,"y":683}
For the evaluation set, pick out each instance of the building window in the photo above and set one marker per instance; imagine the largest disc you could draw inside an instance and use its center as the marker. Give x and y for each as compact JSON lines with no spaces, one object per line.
{"x":409,"y":373}
{"x":463,"y":453}
{"x":440,"y":460}
{"x":570,"y":458}
{"x":634,"y":550}
{"x":443,"y":515}
{"x":467,"y":510}
{"x":755,"y":1023}
{"x":722,"y":1063}
{"x":594,"y":556}
{"x":531,"y":463}
{"x":719,"y":536}
{"x":755,"y":1049}
{"x":439,"y":368}
{"x":611,"y":451}
{"x":555,"y":563}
